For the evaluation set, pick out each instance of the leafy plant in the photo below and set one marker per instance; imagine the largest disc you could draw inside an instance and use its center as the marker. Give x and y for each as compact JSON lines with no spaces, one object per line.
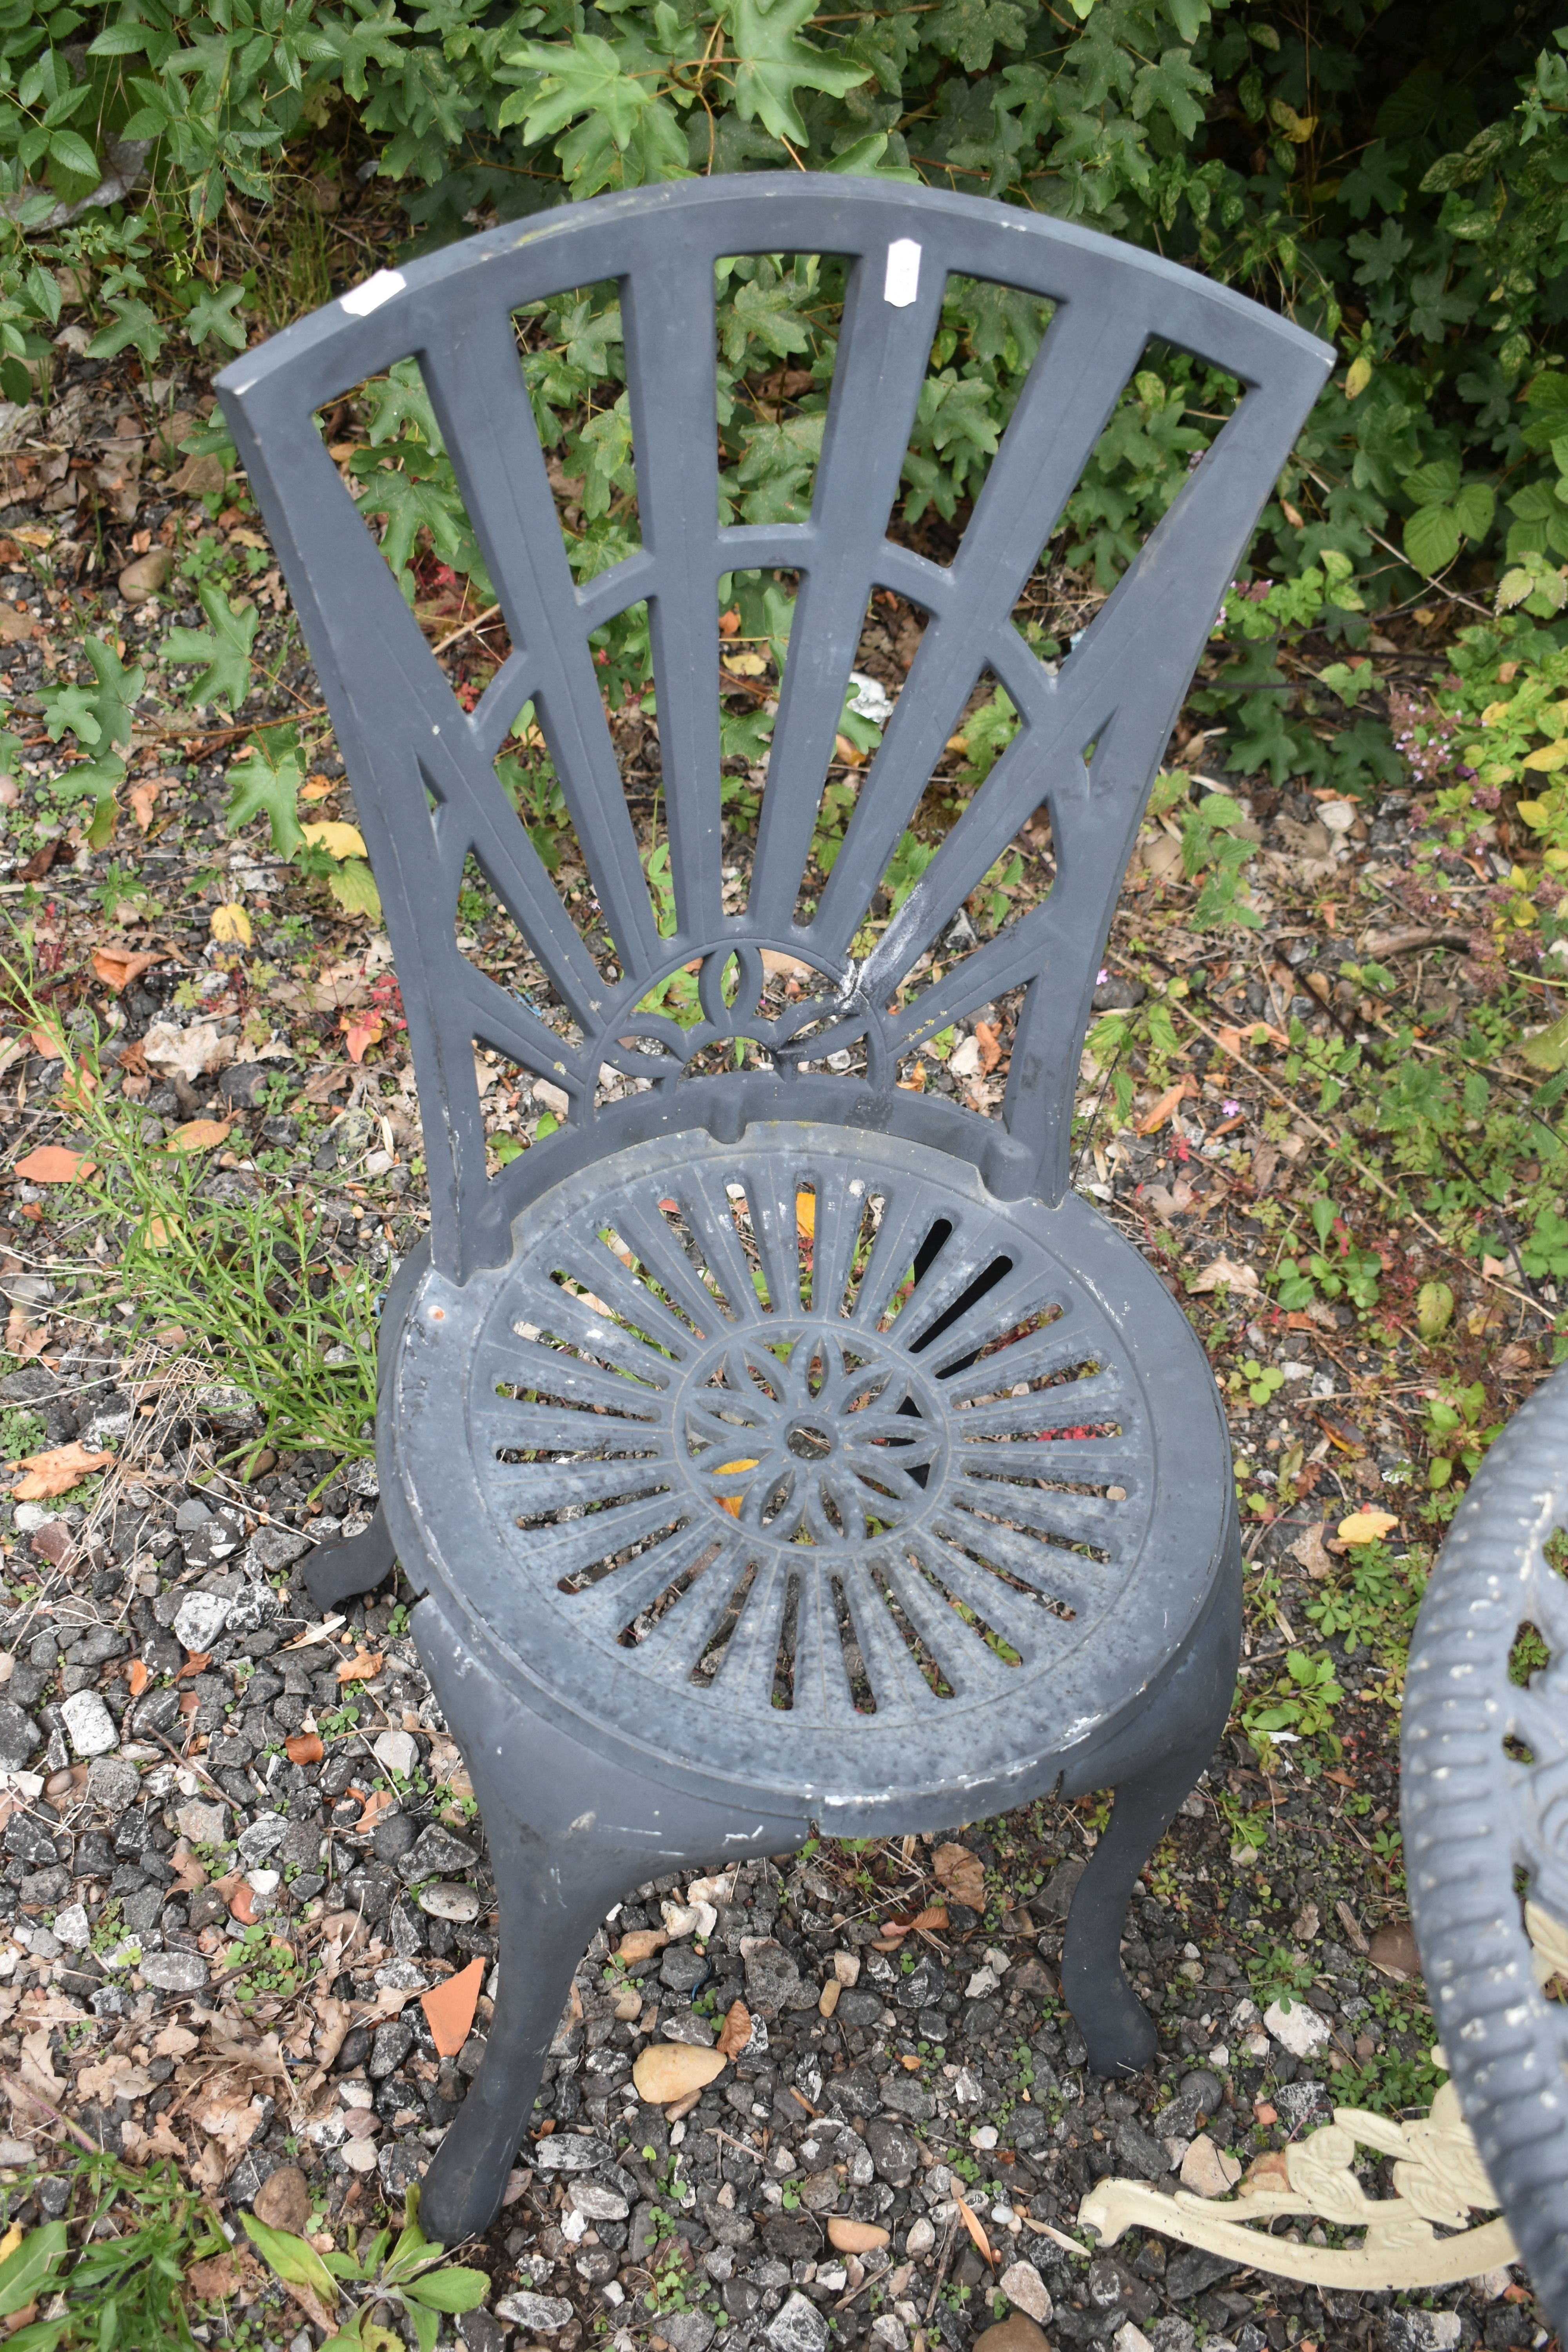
{"x":412,"y":2273}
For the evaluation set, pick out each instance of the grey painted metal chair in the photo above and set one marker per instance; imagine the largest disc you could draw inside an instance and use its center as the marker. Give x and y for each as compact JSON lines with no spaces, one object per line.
{"x":720,"y":1539}
{"x":1484,"y":1763}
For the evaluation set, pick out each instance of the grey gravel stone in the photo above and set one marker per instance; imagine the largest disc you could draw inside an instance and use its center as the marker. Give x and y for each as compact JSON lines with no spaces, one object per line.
{"x":771,"y":1977}
{"x":393,"y":2042}
{"x":895,"y":2151}
{"x":797,"y":2326}
{"x":174,"y":1971}
{"x":436,"y":1853}
{"x":19,"y":1736}
{"x":546,"y":2313}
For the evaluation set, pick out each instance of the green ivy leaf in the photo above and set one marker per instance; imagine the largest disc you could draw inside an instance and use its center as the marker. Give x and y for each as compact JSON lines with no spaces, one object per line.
{"x":132,"y":323}
{"x":225,"y":648}
{"x":772,"y":63}
{"x":260,"y":787}
{"x":212,"y":313}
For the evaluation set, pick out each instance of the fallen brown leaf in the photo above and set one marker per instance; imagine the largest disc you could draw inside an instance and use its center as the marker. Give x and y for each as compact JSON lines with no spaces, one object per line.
{"x":137,"y":1677}
{"x":962,"y":1874}
{"x":118,"y":967}
{"x":972,"y":2222}
{"x":1240,"y":1279}
{"x":304,"y":1748}
{"x":55,"y":1472}
{"x":199,"y":1135}
{"x":51,"y":1163}
{"x":362,"y":1667}
{"x":735,"y":2032}
{"x":1161,"y":1110}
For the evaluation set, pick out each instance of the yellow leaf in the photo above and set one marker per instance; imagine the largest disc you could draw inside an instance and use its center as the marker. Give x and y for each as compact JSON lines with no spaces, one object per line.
{"x":1358,"y":375}
{"x":1494,"y":712}
{"x":1533,"y":813}
{"x":744,"y":665}
{"x":1548,"y":761}
{"x":1366,"y":1526}
{"x":805,"y":1214}
{"x":230,"y":926}
{"x":337,"y":839}
{"x":1298,"y":128}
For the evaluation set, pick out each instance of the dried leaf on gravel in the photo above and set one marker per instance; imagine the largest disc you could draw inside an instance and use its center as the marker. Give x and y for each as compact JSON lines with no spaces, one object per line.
{"x":304,"y":1748}
{"x":962,"y":1874}
{"x":975,"y":2228}
{"x":198,"y":1135}
{"x":362,"y":1667}
{"x":1310,"y":1550}
{"x":141,"y":2145}
{"x":113,"y":2078}
{"x":1224,"y":1270}
{"x":193,"y":1052}
{"x":51,"y":1163}
{"x":118,"y":967}
{"x":736,"y":2030}
{"x":1155,"y":1118}
{"x":55,"y":1472}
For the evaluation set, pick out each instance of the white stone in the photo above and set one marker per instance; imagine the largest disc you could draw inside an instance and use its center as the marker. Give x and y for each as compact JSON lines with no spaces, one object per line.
{"x":89,"y":1724}
{"x":553,"y":1098}
{"x":984,"y":2136}
{"x":1209,"y":2170}
{"x":443,"y":1901}
{"x":398,"y":1751}
{"x":1022,"y":2285}
{"x":1338,"y":816}
{"x":719,"y":1890}
{"x":921,"y":2237}
{"x":200,"y":1619}
{"x":983,"y":1981}
{"x":689,"y":1920}
{"x":540,"y":2313}
{"x":1129,"y":2338}
{"x":998,"y":1962}
{"x":72,"y":1929}
{"x":359,"y":2155}
{"x":964,"y":1059}
{"x":1488,"y":2284}
{"x":847,"y":1967}
{"x":1298,"y":2028}
{"x":200,"y":1824}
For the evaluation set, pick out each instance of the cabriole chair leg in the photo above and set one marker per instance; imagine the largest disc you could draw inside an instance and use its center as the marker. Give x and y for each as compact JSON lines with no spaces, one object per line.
{"x":568,"y":1833}
{"x":340,"y":1570}
{"x":1175,"y":1745}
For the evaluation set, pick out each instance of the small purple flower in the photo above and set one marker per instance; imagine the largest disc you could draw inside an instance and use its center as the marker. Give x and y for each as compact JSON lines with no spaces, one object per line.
{"x":1104,"y":976}
{"x":1230,"y":1108}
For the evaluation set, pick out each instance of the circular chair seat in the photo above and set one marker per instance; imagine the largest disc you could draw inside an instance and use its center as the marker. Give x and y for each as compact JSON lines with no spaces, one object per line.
{"x":748,"y":1448}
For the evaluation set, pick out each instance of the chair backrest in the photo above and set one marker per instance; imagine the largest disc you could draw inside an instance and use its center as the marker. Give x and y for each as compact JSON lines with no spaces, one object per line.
{"x":1091,"y":731}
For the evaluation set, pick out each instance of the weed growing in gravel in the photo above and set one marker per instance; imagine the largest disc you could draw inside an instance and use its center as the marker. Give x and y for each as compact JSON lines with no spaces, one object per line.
{"x":243,"y":1271}
{"x":113,"y":2270}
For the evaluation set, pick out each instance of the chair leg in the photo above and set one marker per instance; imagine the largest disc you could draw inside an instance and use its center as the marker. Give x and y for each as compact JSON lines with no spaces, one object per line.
{"x":1175,"y":1743}
{"x":568,"y":1831}
{"x":340,"y":1570}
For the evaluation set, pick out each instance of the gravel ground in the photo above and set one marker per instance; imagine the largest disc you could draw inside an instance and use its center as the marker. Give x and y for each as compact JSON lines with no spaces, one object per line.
{"x":239,"y":1845}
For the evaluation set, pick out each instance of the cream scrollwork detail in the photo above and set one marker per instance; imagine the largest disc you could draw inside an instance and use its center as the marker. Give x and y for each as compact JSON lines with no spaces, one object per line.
{"x":1438,"y":2181}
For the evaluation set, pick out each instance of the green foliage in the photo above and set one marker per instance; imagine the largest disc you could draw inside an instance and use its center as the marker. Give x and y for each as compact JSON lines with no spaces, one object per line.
{"x":1301,"y":1702}
{"x":412,"y":2273}
{"x":224,"y":650}
{"x":120,"y":2284}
